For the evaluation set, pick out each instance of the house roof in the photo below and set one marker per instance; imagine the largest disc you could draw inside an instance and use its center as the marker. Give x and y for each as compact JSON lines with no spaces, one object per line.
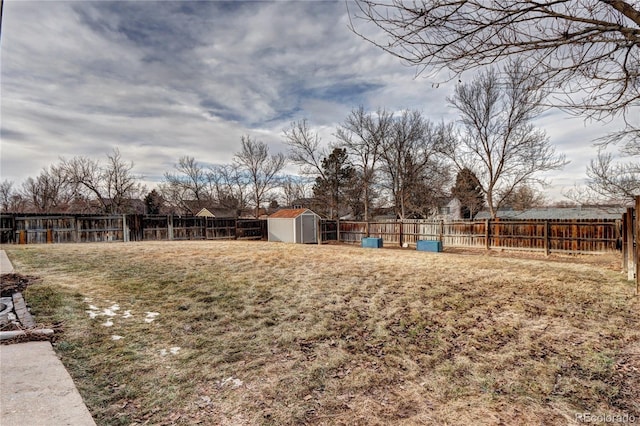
{"x":568,"y":213}
{"x":288,"y":213}
{"x":201,"y":207}
{"x":205,"y":212}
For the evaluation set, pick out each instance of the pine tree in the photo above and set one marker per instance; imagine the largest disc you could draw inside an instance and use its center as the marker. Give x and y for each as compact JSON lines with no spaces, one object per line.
{"x":153,"y":202}
{"x":469,"y":191}
{"x":337,"y":180}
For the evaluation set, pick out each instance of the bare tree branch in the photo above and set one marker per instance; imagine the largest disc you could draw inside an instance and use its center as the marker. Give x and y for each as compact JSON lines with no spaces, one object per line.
{"x":500,"y":145}
{"x":113,"y":185}
{"x":50,"y":191}
{"x":262,"y":168}
{"x":305,"y":148}
{"x":409,"y":163}
{"x":613,"y":182}
{"x":363,"y":134}
{"x":586,"y":51}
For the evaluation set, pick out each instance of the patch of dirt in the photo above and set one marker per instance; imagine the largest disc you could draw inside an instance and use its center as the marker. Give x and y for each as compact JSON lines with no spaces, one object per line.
{"x":27,"y":337}
{"x":15,"y":283}
{"x":9,"y":285}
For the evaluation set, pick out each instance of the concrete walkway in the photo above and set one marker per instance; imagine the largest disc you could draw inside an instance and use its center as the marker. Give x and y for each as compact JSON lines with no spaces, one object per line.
{"x":5,"y":265}
{"x":35,"y":388}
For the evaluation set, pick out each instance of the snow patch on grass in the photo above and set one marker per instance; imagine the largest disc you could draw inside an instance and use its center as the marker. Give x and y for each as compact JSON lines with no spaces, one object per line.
{"x":233,"y":382}
{"x":151,"y":316}
{"x":172,"y":350}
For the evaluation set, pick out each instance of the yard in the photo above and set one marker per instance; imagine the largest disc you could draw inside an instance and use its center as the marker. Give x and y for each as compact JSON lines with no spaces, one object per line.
{"x":266,"y":333}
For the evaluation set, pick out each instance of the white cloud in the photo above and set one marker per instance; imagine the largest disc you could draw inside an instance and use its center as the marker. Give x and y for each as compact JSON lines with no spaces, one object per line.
{"x":167,"y":79}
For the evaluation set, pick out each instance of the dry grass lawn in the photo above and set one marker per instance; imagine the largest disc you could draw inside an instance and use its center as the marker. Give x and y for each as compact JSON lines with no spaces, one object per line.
{"x":264,"y":333}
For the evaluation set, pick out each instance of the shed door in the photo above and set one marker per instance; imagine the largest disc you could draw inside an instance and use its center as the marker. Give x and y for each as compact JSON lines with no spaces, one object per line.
{"x":309,"y":230}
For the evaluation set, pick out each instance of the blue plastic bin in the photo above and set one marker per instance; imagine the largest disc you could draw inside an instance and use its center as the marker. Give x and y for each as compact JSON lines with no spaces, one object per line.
{"x":372,"y":242}
{"x":426,"y":245}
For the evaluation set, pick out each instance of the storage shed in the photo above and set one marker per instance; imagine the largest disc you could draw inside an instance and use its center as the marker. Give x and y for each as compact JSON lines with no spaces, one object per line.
{"x":293,"y":226}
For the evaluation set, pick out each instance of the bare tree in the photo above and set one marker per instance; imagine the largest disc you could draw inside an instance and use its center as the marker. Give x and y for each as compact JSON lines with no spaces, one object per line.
{"x":190,"y":177}
{"x":293,"y":188}
{"x":50,"y":191}
{"x":120,"y":184}
{"x":611,"y":181}
{"x":231,"y":186}
{"x":11,"y":200}
{"x":306,"y":151}
{"x":305,"y":148}
{"x":499,"y":144}
{"x":409,"y":162}
{"x":6,"y":194}
{"x":588,"y":51}
{"x":524,"y":197}
{"x":189,"y":182}
{"x":261,"y":168}
{"x":113,"y":184}
{"x":363,"y":134}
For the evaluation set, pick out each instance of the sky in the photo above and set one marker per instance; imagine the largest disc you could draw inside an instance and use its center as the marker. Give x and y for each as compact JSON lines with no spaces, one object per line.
{"x":162,"y":80}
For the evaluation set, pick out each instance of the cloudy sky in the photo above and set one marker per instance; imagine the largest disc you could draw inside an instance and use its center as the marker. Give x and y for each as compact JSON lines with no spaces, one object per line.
{"x":160,"y":80}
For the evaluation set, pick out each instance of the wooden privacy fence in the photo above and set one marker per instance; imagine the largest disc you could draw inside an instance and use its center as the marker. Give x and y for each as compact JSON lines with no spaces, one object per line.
{"x":631,"y":243}
{"x":38,"y":229}
{"x":65,"y":229}
{"x":575,"y":236}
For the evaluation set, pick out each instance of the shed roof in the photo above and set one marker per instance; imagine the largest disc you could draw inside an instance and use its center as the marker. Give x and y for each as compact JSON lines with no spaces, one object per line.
{"x":288,"y":213}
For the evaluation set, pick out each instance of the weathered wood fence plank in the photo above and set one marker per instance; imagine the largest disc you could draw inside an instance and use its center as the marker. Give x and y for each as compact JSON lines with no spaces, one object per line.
{"x":637,"y":244}
{"x":548,"y":236}
{"x":42,"y":229}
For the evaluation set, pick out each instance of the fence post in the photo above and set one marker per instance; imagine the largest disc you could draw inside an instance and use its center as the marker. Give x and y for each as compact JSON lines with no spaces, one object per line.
{"x":487,"y":234}
{"x":625,"y":246}
{"x":547,"y":249}
{"x":400,"y":232}
{"x":77,"y":229}
{"x":441,"y":236}
{"x":637,"y":245}
{"x":631,"y":264}
{"x":125,"y":229}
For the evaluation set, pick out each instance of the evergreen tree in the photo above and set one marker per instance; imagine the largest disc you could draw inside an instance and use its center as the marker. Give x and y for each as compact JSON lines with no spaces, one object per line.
{"x":469,"y":192}
{"x":153,"y":202}
{"x":337,"y":180}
